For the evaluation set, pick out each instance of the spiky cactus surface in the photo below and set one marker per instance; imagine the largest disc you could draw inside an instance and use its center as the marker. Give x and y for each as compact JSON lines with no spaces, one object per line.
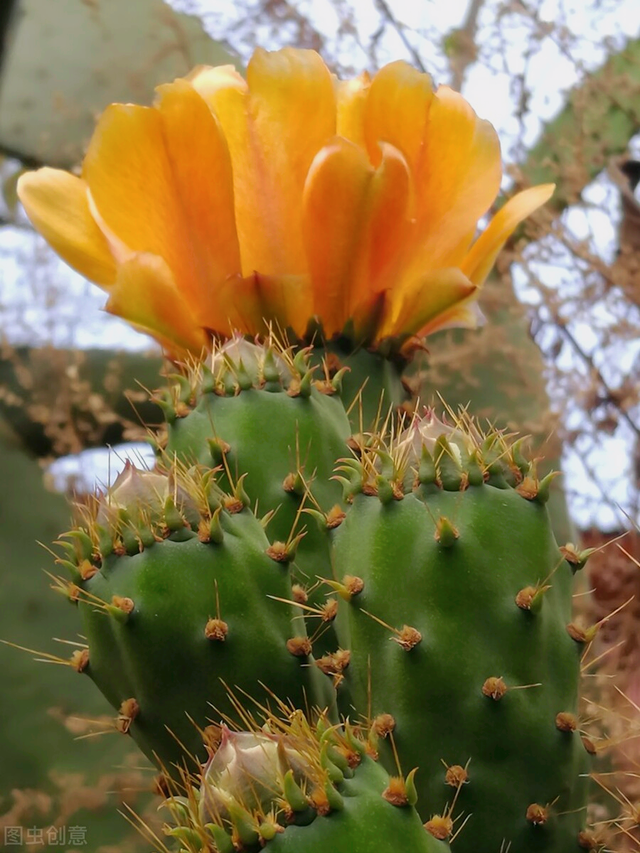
{"x":417,"y":591}
{"x":177,"y":602}
{"x":458,"y":633}
{"x":271,"y":422}
{"x":290,"y":786}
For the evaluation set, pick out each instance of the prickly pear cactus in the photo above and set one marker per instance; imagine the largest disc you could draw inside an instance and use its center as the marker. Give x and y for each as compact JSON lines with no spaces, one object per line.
{"x":290,"y":787}
{"x":270,"y":421}
{"x":176,"y":582}
{"x":446,"y":615}
{"x":274,"y":424}
{"x":458,"y":649}
{"x":442,"y":620}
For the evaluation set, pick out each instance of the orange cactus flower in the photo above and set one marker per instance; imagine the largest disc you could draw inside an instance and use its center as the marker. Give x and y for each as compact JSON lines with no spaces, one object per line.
{"x":285,"y":197}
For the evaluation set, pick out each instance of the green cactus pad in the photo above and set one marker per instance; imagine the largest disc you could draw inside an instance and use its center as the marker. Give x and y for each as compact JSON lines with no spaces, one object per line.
{"x":366,"y":824}
{"x":65,"y":61}
{"x":178,"y":611}
{"x":459,"y":649}
{"x":372,"y":384}
{"x":282,"y":425}
{"x":289,"y":787}
{"x":255,"y":414}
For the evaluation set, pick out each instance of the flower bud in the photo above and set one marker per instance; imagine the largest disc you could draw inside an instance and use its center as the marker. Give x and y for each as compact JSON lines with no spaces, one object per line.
{"x":248,"y":768}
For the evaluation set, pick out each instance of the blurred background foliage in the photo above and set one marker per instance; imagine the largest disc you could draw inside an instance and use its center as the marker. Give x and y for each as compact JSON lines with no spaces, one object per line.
{"x":559,"y":358}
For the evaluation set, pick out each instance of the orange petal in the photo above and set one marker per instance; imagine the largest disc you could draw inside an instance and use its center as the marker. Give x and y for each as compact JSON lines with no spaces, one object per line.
{"x":208,"y":81}
{"x":356,"y":222}
{"x":274,"y":132}
{"x":464,"y":315}
{"x":264,"y":302}
{"x":396,"y":111}
{"x":145,"y":294}
{"x":335,"y":200}
{"x":293,"y":112}
{"x":351,"y":96}
{"x":431,"y":297}
{"x":160,"y":181}
{"x":129,"y":174}
{"x":203,"y":181}
{"x":57,"y":205}
{"x":230,"y":105}
{"x":482,"y":255}
{"x":385,"y":229}
{"x":457,"y":180}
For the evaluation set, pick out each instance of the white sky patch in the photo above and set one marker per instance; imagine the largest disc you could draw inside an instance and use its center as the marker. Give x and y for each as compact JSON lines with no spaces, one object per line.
{"x":98,"y":467}
{"x":33,"y":279}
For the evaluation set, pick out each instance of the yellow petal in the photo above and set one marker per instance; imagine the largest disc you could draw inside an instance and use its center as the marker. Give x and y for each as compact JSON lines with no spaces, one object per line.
{"x":160,"y":180}
{"x":385,"y":228}
{"x":351,"y":96}
{"x":482,"y":255}
{"x":335,"y":199}
{"x":57,"y":205}
{"x":129,"y":174}
{"x":464,"y":315}
{"x":396,"y":111}
{"x":264,"y":303}
{"x":274,"y":131}
{"x":145,"y":294}
{"x":208,"y":80}
{"x":430,"y":298}
{"x":203,"y":181}
{"x":457,"y":179}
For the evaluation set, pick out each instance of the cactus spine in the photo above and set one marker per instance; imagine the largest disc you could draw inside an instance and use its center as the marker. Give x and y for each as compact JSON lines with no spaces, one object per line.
{"x":290,"y":786}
